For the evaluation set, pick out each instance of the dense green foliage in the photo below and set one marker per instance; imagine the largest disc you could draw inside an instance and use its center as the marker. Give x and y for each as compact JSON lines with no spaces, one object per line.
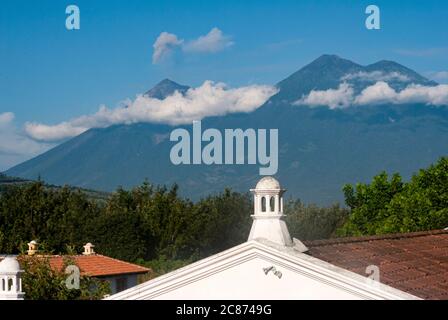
{"x":144,"y":223}
{"x":152,"y":222}
{"x":310,"y":222}
{"x":147,"y":223}
{"x":389,"y":205}
{"x":54,"y":217}
{"x":161,"y":266}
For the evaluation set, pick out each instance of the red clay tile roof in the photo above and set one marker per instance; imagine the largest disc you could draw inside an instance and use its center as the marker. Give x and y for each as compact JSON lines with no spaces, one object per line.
{"x":415,"y":262}
{"x":97,"y":265}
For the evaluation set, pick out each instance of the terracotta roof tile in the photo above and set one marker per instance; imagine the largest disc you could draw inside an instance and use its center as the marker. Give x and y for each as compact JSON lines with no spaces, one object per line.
{"x":414,"y":262}
{"x":97,"y":265}
{"x":94,"y":265}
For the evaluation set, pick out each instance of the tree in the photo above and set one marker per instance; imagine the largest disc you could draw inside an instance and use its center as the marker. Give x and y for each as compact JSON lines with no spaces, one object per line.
{"x":57,"y":217}
{"x":144,"y":223}
{"x":310,"y":222}
{"x":423,"y":204}
{"x":389,"y":205}
{"x":221,"y":221}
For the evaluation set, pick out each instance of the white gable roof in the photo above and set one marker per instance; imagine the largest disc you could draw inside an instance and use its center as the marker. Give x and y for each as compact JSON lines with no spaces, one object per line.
{"x":260,"y":269}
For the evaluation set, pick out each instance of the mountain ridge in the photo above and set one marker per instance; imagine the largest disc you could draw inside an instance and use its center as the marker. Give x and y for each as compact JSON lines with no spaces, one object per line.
{"x":328,"y":71}
{"x":319,"y":149}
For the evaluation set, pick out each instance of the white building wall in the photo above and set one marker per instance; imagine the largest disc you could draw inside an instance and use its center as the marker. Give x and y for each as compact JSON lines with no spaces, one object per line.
{"x":249,"y":281}
{"x":245,"y":272}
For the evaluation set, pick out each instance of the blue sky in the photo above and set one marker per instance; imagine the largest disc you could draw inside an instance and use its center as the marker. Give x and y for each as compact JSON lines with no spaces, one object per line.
{"x":49,"y":74}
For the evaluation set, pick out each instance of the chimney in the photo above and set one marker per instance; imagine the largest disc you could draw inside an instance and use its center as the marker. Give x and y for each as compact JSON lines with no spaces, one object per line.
{"x":32,"y":248}
{"x":88,"y":249}
{"x":268,"y":215}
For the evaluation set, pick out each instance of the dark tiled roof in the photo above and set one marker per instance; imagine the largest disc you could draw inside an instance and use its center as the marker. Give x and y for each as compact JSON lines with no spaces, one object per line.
{"x":415,"y":262}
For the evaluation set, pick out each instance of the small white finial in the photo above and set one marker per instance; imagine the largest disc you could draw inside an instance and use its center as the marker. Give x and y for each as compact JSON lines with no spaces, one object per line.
{"x":32,"y":247}
{"x":88,"y":249}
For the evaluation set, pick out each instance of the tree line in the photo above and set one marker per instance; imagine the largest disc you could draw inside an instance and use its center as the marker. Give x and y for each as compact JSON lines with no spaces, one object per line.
{"x":145,"y":223}
{"x":153,"y":223}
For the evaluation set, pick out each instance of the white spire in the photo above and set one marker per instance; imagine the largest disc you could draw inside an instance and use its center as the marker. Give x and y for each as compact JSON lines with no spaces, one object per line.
{"x":10,"y":280}
{"x":268,"y":213}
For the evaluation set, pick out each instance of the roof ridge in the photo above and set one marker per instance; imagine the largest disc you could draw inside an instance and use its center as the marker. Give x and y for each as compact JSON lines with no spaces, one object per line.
{"x":88,"y":265}
{"x":324,"y":242}
{"x":126,"y":262}
{"x":56,"y":256}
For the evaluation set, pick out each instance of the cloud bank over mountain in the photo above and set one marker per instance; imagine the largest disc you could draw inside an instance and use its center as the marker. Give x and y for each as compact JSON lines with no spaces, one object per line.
{"x":328,"y":81}
{"x":210,"y":99}
{"x":212,"y":42}
{"x":215,"y":99}
{"x":379,"y":93}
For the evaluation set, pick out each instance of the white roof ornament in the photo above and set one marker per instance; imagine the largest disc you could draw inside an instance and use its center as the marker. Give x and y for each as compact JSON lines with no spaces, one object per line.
{"x":32,"y":247}
{"x":268,"y":215}
{"x":10,"y":281}
{"x":88,"y":249}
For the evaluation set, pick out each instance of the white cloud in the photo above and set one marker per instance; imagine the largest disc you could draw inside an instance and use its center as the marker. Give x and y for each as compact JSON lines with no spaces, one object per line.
{"x":164,"y":44}
{"x":379,"y":93}
{"x":437,"y":95}
{"x":334,"y":98}
{"x":56,"y":132}
{"x":213,"y":41}
{"x":15,"y":145}
{"x":376,"y":76}
{"x":210,"y":99}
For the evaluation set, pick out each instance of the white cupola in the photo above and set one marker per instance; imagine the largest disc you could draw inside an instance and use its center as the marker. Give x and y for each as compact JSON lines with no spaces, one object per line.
{"x":10,"y":279}
{"x":268,"y":215}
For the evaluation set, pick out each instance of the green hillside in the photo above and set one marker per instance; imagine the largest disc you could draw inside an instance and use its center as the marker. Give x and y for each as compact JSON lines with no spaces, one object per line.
{"x":10,"y":182}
